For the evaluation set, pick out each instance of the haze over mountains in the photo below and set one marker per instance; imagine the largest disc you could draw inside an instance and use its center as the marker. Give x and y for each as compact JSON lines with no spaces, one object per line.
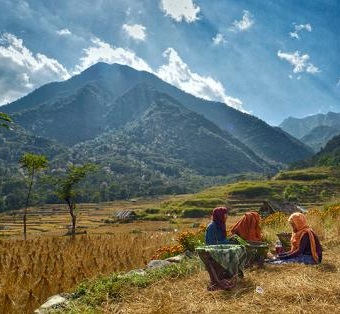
{"x":147,"y":136}
{"x":315,"y":130}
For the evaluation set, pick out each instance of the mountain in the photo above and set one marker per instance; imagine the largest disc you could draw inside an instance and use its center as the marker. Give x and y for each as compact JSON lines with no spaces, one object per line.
{"x":318,"y":137}
{"x":165,"y":129}
{"x":151,"y":147}
{"x":75,"y":110}
{"x":146,"y":136}
{"x":329,"y":155}
{"x":315,"y":130}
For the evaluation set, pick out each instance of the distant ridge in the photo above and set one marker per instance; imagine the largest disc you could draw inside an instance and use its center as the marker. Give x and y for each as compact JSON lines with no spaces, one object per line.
{"x":315,"y":130}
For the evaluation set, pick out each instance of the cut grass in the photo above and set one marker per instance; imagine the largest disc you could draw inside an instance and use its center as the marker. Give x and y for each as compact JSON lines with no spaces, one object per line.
{"x":287,"y":289}
{"x":91,"y":295}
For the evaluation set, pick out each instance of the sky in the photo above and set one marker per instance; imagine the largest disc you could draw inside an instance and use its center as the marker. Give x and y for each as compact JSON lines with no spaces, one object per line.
{"x":270,"y":58}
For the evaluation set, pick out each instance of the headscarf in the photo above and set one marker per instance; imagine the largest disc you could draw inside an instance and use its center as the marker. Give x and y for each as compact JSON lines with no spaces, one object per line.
{"x":218,"y":216}
{"x":248,"y":227}
{"x":300,"y":228}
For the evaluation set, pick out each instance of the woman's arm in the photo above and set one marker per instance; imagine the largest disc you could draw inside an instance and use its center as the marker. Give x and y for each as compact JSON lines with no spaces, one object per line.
{"x":304,"y":243}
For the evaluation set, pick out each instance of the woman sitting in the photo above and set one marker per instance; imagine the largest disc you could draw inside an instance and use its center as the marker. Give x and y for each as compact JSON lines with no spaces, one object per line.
{"x":305,"y":244}
{"x":220,"y":277}
{"x":216,"y":230}
{"x":248,"y":227}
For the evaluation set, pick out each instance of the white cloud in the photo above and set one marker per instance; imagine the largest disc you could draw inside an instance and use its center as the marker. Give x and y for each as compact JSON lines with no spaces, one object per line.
{"x":338,"y":84}
{"x":298,"y":29}
{"x":102,"y":51}
{"x":180,"y":10}
{"x":177,"y":73}
{"x":294,"y":35}
{"x":311,"y":68}
{"x":135,"y":31}
{"x":244,"y":24}
{"x":299,"y":62}
{"x":21,"y":70}
{"x":64,"y":32}
{"x":219,"y":39}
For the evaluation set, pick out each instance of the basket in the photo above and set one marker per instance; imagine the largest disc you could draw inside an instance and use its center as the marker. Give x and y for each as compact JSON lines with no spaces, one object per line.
{"x":256,"y":253}
{"x":284,"y":237}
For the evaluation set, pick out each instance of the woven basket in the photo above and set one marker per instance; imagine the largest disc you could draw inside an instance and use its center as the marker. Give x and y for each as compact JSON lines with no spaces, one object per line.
{"x":256,"y":253}
{"x":284,"y":237}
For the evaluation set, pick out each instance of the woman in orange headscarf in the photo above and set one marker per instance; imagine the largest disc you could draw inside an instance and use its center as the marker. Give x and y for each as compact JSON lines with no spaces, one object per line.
{"x":305,"y":244}
{"x":248,"y":227}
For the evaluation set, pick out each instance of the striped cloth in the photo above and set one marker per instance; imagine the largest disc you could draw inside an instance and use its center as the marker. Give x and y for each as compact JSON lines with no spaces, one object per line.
{"x":231,"y":257}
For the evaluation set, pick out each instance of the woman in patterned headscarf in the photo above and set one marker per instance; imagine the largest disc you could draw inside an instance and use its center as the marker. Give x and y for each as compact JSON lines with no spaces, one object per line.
{"x":216,"y":230}
{"x":305,"y":244}
{"x":248,"y":227}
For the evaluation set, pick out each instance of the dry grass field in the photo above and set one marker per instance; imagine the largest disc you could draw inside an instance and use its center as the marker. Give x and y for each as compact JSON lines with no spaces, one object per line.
{"x":33,"y":270}
{"x":55,"y":219}
{"x":50,"y":262}
{"x":286,"y":289}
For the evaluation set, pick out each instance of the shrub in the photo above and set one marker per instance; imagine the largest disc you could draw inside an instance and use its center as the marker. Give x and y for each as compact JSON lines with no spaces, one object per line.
{"x":295,"y":192}
{"x":168,"y":251}
{"x":207,"y":203}
{"x":252,"y":190}
{"x":152,"y":210}
{"x":196,"y":213}
{"x":187,"y":241}
{"x":275,"y":220}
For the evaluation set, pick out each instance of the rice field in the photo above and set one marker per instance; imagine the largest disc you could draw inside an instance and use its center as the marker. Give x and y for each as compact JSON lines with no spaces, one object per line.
{"x":50,"y":262}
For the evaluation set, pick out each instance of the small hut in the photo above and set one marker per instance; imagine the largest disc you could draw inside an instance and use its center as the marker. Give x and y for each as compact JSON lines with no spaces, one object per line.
{"x":271,"y":207}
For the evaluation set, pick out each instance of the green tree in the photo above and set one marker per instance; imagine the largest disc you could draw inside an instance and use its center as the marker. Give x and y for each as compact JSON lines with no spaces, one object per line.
{"x":4,"y":120}
{"x":66,"y":189}
{"x":32,"y":164}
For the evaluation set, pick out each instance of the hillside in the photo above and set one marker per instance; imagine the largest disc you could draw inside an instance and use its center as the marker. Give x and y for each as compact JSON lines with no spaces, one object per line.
{"x":330,"y":155}
{"x":309,"y":187}
{"x":318,"y":137}
{"x":163,"y":129}
{"x":315,"y":130}
{"x":95,"y":91}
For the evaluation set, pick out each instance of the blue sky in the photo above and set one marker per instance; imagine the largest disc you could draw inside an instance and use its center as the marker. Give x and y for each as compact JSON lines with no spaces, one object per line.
{"x":270,"y":58}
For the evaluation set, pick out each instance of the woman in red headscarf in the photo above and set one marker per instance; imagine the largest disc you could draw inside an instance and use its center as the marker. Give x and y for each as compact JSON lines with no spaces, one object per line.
{"x":305,"y":244}
{"x":248,"y":227}
{"x":216,"y":230}
{"x":216,"y":234}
